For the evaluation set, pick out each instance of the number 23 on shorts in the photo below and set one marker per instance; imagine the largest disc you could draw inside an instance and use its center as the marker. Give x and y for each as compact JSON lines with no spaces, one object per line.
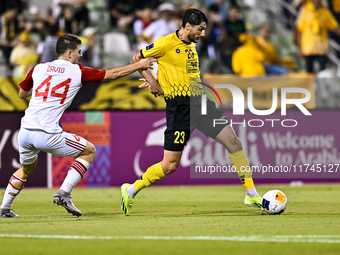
{"x":180,"y":137}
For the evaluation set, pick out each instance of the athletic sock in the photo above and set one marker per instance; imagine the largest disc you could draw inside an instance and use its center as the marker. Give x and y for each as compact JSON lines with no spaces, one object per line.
{"x":75,"y":173}
{"x":251,"y":192}
{"x":241,"y":163}
{"x":152,"y":175}
{"x":15,"y":185}
{"x":131,"y":191}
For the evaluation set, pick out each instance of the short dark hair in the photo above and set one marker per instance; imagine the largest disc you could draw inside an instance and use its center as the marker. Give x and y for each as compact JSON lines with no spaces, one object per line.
{"x":12,"y":6}
{"x":194,"y":17}
{"x":214,"y":8}
{"x":67,"y":42}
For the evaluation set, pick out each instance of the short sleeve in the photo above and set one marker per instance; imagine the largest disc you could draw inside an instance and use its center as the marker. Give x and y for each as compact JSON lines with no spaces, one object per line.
{"x":156,"y":49}
{"x":331,"y":21}
{"x":89,"y":74}
{"x":27,"y":84}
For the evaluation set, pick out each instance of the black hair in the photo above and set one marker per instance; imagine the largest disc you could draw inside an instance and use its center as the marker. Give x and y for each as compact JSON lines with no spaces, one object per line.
{"x":53,"y":29}
{"x":67,"y":42}
{"x":12,"y":6}
{"x":194,"y":17}
{"x":214,"y":8}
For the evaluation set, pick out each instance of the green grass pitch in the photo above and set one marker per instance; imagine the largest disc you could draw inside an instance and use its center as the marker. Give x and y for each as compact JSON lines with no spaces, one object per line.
{"x":174,"y":220}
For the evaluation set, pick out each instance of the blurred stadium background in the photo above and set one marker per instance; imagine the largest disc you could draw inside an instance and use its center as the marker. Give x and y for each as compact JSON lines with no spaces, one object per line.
{"x":126,"y":123}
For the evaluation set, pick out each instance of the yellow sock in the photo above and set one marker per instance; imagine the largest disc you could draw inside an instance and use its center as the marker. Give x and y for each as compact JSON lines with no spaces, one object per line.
{"x":241,"y":163}
{"x":152,"y":175}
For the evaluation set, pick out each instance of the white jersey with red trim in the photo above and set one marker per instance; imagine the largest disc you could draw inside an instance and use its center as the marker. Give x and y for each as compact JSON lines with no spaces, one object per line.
{"x":54,"y":86}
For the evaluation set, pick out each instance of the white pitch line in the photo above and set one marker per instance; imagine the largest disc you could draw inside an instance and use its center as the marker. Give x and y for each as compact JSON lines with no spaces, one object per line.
{"x":259,"y":238}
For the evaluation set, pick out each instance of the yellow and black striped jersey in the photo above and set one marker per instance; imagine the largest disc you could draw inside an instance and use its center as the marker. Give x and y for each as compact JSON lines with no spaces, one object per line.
{"x":178,"y":68}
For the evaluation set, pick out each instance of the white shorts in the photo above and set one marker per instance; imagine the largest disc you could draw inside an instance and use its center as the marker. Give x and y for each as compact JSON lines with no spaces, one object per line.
{"x":63,"y":144}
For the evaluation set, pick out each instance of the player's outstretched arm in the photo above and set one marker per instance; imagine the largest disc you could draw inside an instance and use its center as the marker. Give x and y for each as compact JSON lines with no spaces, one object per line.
{"x":24,"y":93}
{"x":121,"y":71}
{"x":150,"y":82}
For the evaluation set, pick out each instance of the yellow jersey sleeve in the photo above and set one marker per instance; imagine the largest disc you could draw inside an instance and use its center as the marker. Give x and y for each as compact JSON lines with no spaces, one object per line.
{"x":156,"y":49}
{"x":331,"y":22}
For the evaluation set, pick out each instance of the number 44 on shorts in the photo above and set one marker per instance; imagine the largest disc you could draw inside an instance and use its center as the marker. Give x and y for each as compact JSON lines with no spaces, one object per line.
{"x":47,"y":83}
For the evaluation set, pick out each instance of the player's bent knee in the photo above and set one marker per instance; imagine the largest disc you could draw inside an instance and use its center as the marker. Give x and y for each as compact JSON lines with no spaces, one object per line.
{"x":25,"y":171}
{"x":235,"y":146}
{"x":92,"y":151}
{"x":89,"y":153}
{"x":170,"y":168}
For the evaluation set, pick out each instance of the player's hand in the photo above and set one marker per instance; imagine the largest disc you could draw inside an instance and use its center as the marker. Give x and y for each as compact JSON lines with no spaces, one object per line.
{"x":155,"y":89}
{"x":146,"y":63}
{"x":144,"y":85}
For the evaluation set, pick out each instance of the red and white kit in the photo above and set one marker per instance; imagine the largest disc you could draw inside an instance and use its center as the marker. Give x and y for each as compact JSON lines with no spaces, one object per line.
{"x":54,"y":86}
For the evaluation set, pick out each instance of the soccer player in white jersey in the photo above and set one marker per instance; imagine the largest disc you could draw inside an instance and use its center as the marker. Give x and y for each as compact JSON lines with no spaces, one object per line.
{"x":53,"y":86}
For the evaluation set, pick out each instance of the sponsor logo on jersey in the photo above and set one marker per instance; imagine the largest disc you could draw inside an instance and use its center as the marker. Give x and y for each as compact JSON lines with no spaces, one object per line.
{"x":178,"y":51}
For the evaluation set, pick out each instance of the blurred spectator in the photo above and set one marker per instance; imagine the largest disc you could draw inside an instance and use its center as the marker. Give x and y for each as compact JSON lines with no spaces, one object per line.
{"x":164,"y":25}
{"x":23,"y":56}
{"x":81,"y":14}
{"x":334,"y":7}
{"x":91,"y":56}
{"x":9,"y":30}
{"x":73,"y":15}
{"x":289,"y":17}
{"x":141,"y":4}
{"x":223,"y":6}
{"x":40,"y":16}
{"x":301,"y":4}
{"x":5,"y":3}
{"x":212,"y":41}
{"x":122,"y":14}
{"x":234,"y":26}
{"x":67,"y":22}
{"x":47,"y":48}
{"x":313,"y":26}
{"x":270,"y":58}
{"x":145,"y":18}
{"x":247,"y":60}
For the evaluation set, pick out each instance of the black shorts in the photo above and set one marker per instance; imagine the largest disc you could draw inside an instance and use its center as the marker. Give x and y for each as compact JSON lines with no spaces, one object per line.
{"x":182,"y":120}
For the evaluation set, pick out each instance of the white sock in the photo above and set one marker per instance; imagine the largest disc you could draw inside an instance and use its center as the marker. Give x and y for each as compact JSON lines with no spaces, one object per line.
{"x":74,"y":175}
{"x":9,"y":199}
{"x":131,"y":191}
{"x":251,"y":192}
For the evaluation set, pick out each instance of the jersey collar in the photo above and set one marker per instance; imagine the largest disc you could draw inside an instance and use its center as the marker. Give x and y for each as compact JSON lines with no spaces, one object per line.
{"x":180,"y":39}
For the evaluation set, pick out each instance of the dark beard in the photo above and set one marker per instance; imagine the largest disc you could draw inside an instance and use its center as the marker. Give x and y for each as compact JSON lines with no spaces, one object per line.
{"x":191,"y":38}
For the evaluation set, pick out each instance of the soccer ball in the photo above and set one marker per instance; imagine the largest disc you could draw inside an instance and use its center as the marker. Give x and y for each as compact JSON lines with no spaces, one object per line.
{"x":274,"y":201}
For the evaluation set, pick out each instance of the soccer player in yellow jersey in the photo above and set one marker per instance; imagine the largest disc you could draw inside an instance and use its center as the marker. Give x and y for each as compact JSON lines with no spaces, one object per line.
{"x":178,"y":80}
